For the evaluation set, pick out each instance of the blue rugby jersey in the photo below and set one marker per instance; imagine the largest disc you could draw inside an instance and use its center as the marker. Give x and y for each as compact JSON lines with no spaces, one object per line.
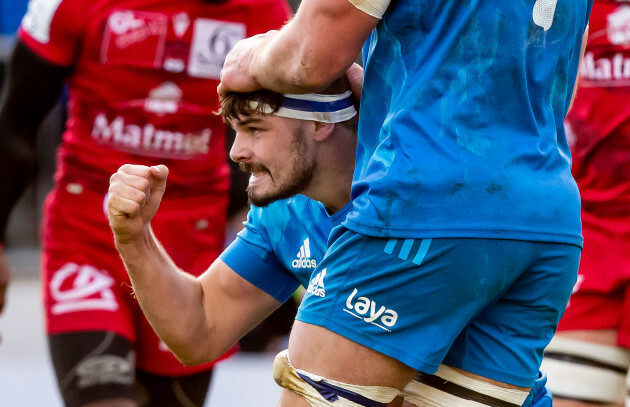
{"x":461,"y":122}
{"x":281,"y":244}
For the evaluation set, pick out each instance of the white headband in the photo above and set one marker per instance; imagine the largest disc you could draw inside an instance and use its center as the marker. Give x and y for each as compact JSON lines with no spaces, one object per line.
{"x":313,"y":106}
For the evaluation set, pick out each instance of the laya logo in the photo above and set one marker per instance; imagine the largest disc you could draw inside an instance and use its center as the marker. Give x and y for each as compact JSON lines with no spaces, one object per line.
{"x":365,"y":309}
{"x":80,"y":288}
{"x":316,"y":286}
{"x":303,"y":259}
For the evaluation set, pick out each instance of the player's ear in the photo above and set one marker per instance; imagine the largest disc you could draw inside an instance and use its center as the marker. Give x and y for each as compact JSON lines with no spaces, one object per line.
{"x":323,"y":130}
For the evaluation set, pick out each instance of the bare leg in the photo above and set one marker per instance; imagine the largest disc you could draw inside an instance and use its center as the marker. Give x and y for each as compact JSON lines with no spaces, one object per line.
{"x":319,"y":351}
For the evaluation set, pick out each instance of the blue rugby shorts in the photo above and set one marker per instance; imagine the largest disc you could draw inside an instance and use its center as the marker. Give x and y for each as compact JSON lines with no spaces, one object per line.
{"x":487,"y":306}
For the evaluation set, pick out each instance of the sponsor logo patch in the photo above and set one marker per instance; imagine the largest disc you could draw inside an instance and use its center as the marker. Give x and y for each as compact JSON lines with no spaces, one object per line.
{"x":134,"y":38}
{"x":105,"y":369}
{"x":212,"y":40}
{"x":80,"y":288}
{"x":147,"y":139}
{"x":316,"y":286}
{"x":367,"y":310}
{"x":303,"y":257}
{"x":606,"y":71}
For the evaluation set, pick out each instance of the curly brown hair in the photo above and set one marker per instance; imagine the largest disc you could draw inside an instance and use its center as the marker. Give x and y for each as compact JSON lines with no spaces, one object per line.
{"x":235,"y":105}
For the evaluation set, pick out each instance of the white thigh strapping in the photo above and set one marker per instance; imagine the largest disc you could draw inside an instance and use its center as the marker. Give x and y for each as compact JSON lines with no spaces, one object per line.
{"x":586,"y":371}
{"x":456,"y":390}
{"x":290,"y":378}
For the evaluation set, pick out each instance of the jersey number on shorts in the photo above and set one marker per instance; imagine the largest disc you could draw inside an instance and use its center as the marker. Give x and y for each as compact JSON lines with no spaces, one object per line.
{"x":543,"y":13}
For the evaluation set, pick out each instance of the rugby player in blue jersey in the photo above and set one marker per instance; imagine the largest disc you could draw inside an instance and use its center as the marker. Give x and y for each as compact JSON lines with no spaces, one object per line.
{"x":463,"y":241}
{"x":292,"y":145}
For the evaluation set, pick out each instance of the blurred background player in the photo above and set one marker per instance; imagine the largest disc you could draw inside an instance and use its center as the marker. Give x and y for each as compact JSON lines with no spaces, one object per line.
{"x":588,"y":359}
{"x":138,"y":75}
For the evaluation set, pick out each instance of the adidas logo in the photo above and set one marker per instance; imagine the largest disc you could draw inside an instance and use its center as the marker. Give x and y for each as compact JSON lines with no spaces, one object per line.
{"x":316,"y":287}
{"x":303,"y":259}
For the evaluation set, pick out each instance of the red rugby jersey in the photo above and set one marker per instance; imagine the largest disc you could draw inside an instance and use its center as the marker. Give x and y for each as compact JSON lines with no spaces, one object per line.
{"x":143,"y":83}
{"x":600,"y":118}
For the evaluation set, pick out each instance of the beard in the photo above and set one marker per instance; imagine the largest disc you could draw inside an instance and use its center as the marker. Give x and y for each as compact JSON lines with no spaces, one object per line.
{"x":299,"y":179}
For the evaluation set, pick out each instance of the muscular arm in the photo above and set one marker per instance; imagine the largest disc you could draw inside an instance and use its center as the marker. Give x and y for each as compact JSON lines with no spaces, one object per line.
{"x":314,"y":48}
{"x":197,"y":318}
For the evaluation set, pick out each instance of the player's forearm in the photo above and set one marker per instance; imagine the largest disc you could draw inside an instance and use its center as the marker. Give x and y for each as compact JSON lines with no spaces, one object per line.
{"x":313,"y":49}
{"x":285,"y":64}
{"x":171,"y":299}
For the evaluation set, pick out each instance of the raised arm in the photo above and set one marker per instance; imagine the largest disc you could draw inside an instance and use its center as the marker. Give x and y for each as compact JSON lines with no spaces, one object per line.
{"x":197,"y":318}
{"x":314,"y":48}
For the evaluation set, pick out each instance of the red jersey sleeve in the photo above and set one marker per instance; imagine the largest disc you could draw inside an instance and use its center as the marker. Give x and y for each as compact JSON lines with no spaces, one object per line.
{"x":268,"y":15}
{"x":53,"y":29}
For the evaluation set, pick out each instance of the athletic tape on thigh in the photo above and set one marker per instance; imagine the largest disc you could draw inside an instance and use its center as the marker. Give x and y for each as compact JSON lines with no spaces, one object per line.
{"x":375,"y":8}
{"x":449,"y":388}
{"x":312,"y":106}
{"x":586,"y":371}
{"x":321,"y":392}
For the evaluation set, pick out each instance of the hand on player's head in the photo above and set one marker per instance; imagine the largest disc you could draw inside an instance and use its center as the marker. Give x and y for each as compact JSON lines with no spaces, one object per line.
{"x":135,"y":193}
{"x":236,"y":74}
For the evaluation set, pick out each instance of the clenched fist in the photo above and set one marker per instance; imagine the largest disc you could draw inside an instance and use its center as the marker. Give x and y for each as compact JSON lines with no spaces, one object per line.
{"x":135,"y":193}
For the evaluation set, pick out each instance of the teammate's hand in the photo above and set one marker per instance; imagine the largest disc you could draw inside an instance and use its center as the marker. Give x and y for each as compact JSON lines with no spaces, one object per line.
{"x":236,"y":75}
{"x":135,"y":193}
{"x":355,"y":77}
{"x":5,"y":278}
